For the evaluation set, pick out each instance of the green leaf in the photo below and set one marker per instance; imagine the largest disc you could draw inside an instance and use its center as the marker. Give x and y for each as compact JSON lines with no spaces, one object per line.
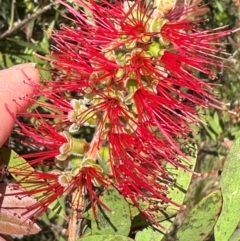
{"x":235,"y":236}
{"x":14,"y":162}
{"x":214,"y":123}
{"x":44,"y":44}
{"x":148,"y":234}
{"x":107,"y":237}
{"x":135,"y":211}
{"x":28,"y":45}
{"x":219,"y":6}
{"x":200,"y":222}
{"x":116,"y":221}
{"x":229,"y":183}
{"x":178,"y":191}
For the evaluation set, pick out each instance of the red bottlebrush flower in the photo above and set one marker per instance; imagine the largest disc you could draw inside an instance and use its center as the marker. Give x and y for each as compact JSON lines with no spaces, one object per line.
{"x":48,"y":187}
{"x":129,"y":72}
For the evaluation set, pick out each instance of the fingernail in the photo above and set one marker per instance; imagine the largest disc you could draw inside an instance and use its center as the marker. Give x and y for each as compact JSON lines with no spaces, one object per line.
{"x":21,"y":66}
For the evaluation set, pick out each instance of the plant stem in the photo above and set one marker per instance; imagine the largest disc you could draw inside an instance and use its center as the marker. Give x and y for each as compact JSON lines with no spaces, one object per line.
{"x":78,"y":204}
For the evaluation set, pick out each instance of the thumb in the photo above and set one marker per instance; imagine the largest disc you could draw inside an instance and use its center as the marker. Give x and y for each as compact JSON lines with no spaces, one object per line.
{"x":16,"y":83}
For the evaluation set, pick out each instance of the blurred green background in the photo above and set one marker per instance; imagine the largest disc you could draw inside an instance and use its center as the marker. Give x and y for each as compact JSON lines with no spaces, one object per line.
{"x":25,"y":26}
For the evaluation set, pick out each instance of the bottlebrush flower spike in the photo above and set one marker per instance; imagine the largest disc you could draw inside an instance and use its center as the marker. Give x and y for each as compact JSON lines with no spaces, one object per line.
{"x":128,"y":78}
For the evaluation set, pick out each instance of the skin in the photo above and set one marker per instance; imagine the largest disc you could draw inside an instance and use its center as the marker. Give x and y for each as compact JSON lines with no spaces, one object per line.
{"x":16,"y":83}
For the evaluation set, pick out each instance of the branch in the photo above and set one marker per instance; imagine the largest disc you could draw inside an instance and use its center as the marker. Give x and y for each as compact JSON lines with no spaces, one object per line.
{"x":23,"y":23}
{"x":78,"y":203}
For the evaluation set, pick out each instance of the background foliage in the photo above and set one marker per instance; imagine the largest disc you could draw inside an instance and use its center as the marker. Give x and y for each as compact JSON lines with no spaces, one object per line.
{"x":24,"y":29}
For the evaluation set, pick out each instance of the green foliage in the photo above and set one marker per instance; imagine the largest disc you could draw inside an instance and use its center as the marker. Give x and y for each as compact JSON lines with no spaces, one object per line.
{"x":200,"y":222}
{"x":106,"y":237}
{"x":11,"y":159}
{"x":148,"y":234}
{"x":235,"y":236}
{"x":49,"y":219}
{"x":117,"y":220}
{"x":229,"y":184}
{"x":178,"y":191}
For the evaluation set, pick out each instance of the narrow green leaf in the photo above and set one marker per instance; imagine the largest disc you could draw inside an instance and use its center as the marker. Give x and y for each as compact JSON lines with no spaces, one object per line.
{"x":44,"y":44}
{"x":210,"y":132}
{"x":200,"y":222}
{"x":11,"y":22}
{"x":8,"y":60}
{"x":214,"y":123}
{"x":229,"y":183}
{"x":219,"y":6}
{"x":14,"y":162}
{"x":107,"y":237}
{"x":116,"y":221}
{"x":31,"y":46}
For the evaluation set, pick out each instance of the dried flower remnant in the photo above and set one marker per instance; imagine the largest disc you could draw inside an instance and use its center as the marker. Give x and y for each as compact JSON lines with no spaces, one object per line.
{"x":128,"y":72}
